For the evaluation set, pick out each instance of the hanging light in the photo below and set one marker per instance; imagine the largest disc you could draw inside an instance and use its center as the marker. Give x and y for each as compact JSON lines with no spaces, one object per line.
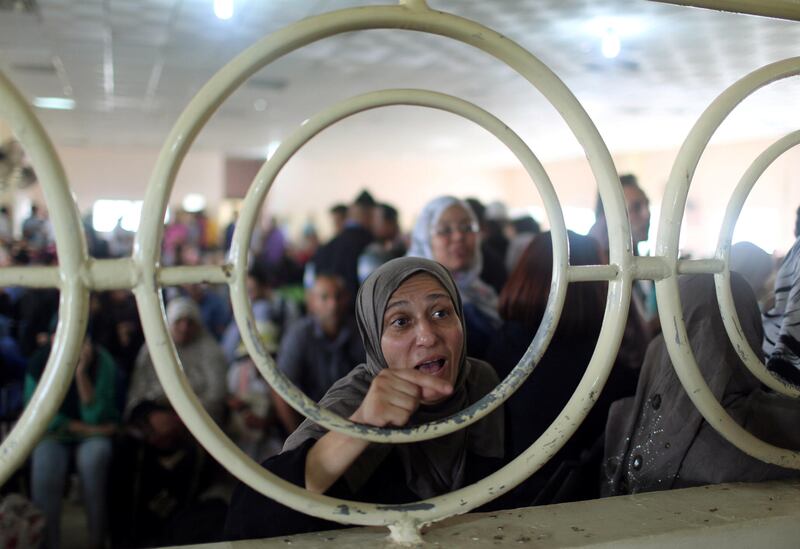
{"x":611,"y":30}
{"x":610,"y":44}
{"x":223,"y":9}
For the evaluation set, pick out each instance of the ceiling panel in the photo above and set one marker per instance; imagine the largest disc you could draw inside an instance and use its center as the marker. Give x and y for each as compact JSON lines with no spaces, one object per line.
{"x":133,"y":65}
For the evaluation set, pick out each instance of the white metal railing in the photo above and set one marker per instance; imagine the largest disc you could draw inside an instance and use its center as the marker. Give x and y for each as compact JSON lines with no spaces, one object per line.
{"x":77,"y":274}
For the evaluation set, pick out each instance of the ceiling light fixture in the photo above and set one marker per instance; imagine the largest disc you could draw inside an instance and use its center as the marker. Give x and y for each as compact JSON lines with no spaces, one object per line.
{"x":611,"y":31}
{"x":610,"y":45}
{"x":57,"y":103}
{"x":223,"y":9}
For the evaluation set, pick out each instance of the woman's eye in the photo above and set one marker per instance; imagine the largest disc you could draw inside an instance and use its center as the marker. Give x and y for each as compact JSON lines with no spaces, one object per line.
{"x":441,"y":313}
{"x":399,"y":322}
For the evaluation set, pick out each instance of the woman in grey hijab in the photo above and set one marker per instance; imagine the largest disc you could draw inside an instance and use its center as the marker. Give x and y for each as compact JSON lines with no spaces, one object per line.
{"x":447,"y":231}
{"x":658,"y":440}
{"x":410,"y":317}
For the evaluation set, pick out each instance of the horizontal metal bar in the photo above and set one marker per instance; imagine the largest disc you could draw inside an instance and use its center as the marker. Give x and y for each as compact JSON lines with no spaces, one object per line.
{"x":589,"y":273}
{"x":209,"y":274}
{"x":781,"y":9}
{"x":651,"y":268}
{"x":30,"y":277}
{"x":110,"y":274}
{"x":700,"y":266}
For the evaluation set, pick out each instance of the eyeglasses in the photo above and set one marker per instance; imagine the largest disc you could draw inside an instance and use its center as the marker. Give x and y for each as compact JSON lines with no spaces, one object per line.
{"x":447,"y":231}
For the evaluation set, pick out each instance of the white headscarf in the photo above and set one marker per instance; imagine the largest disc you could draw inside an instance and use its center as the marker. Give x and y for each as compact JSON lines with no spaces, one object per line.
{"x":183,"y":307}
{"x":472,"y":289}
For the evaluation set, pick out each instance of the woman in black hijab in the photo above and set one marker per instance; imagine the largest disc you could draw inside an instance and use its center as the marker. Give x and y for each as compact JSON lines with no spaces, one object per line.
{"x":411,"y":321}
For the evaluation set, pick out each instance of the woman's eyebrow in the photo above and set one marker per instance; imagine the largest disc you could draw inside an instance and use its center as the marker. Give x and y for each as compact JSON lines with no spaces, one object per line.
{"x":398,"y":303}
{"x":435,"y":297}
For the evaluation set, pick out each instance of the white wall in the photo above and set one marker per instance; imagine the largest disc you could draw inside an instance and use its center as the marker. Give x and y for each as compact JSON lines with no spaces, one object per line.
{"x":309,"y":185}
{"x":124,"y":174}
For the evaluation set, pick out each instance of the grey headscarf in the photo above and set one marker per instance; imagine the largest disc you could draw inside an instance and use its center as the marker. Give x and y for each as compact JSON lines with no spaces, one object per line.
{"x":658,"y":440}
{"x":472,"y":288}
{"x":431,"y":467}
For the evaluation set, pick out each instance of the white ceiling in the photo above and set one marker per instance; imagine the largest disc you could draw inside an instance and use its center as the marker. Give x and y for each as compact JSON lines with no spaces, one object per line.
{"x":133,"y":65}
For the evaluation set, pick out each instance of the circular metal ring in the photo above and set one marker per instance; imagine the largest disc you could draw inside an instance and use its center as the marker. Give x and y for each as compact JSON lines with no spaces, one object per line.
{"x":723,"y":280}
{"x":146,"y":253}
{"x":670,"y":309}
{"x":73,"y":304}
{"x":248,"y":217}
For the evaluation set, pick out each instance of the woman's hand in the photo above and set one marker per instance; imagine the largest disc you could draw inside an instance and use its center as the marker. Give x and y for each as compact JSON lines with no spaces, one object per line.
{"x":394,"y":395}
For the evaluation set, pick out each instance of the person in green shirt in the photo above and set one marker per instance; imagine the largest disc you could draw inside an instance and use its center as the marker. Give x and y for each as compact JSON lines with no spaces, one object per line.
{"x":80,"y":432}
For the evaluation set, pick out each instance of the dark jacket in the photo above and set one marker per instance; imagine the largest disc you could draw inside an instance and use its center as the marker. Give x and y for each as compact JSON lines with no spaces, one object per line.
{"x":534,"y":406}
{"x":252,"y":515}
{"x":340,"y":255}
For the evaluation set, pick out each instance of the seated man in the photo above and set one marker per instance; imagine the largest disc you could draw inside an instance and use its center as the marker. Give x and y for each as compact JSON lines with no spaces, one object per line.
{"x":319,"y":348}
{"x":388,"y":242}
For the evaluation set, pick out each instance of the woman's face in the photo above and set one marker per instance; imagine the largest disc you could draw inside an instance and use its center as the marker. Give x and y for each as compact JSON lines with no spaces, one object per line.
{"x":453,"y":239}
{"x":421,"y":330}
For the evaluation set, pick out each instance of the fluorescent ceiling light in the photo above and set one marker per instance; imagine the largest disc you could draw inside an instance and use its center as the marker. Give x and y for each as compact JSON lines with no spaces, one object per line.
{"x":59,"y":103}
{"x":223,"y":9}
{"x":610,"y":45}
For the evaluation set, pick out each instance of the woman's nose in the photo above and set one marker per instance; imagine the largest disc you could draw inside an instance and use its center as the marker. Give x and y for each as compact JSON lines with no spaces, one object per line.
{"x":426,"y":334}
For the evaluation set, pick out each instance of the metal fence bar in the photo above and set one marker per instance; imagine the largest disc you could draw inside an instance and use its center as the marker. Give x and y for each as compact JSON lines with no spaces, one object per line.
{"x":669,"y":303}
{"x":77,"y":274}
{"x":74,"y":299}
{"x":410,"y":17}
{"x":723,"y":278}
{"x":781,"y":9}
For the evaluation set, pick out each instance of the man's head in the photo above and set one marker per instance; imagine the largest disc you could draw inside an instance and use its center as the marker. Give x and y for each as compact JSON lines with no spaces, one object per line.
{"x":184,"y":320}
{"x":797,"y":224}
{"x":638,"y":206}
{"x":384,"y":224}
{"x":361,"y":211}
{"x":260,"y":282}
{"x":327,"y":301}
{"x":338,"y":217}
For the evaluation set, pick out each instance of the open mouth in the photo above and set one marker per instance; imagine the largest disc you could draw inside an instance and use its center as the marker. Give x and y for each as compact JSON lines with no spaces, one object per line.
{"x":431,"y":367}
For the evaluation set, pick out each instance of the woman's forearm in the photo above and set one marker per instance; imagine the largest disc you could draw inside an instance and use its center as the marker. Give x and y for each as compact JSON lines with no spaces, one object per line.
{"x":329,"y":458}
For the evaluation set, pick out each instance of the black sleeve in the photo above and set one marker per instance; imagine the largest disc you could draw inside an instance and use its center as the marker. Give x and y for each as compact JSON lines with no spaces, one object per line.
{"x":252,"y":515}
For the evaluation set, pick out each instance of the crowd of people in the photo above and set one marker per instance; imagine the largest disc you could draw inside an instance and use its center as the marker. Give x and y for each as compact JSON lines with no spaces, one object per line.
{"x":388,"y":330}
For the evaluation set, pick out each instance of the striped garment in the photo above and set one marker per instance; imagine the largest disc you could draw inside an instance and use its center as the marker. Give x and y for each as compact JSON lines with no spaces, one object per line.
{"x":782,"y":321}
